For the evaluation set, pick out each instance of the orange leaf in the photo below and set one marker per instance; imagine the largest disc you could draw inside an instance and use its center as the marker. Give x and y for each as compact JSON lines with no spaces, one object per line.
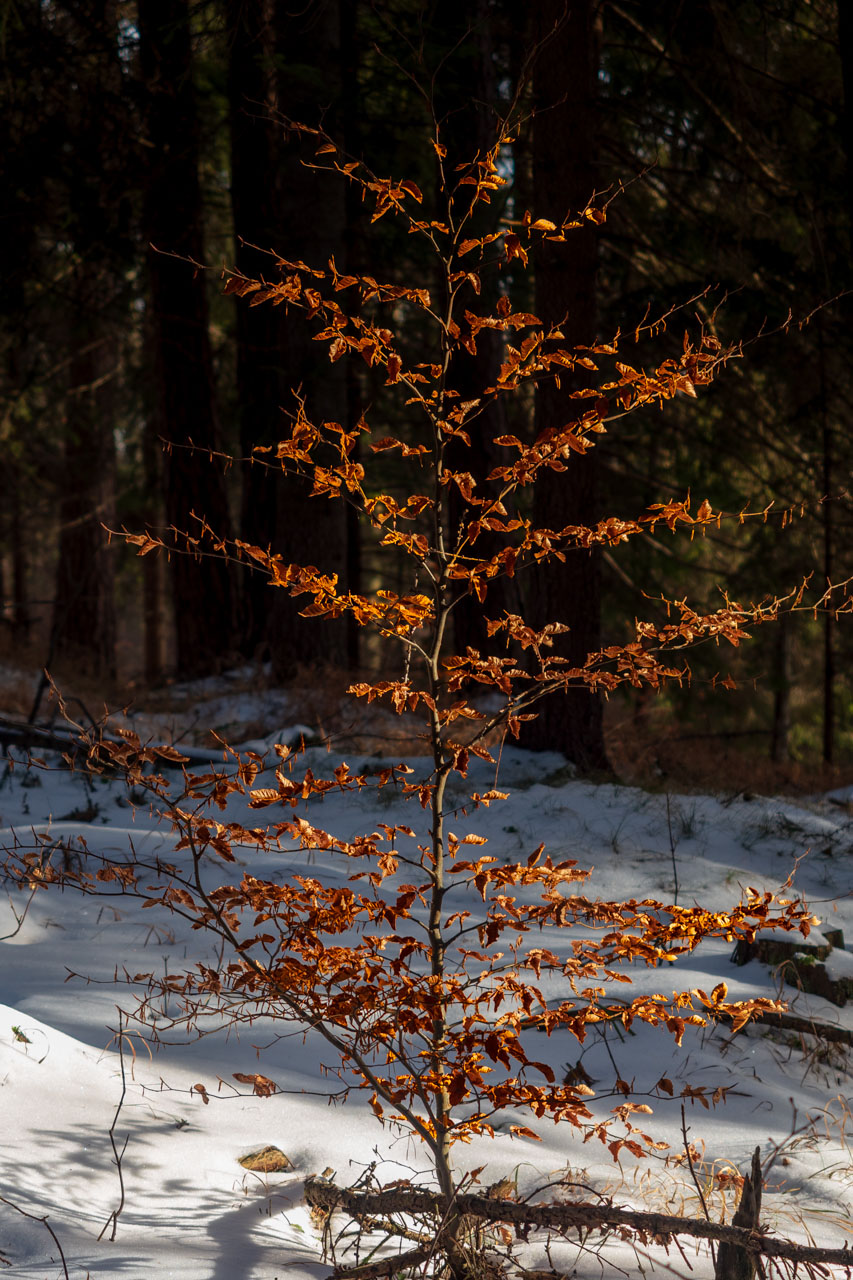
{"x":262,"y":1086}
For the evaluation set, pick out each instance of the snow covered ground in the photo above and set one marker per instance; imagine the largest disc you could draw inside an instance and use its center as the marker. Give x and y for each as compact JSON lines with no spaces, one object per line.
{"x":192,"y":1212}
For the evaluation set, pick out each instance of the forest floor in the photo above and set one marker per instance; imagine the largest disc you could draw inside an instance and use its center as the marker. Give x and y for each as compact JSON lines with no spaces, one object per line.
{"x":192,"y":1211}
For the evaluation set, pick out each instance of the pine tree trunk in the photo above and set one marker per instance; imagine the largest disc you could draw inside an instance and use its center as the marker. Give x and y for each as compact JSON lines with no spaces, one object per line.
{"x":84,"y":616}
{"x":84,"y":623}
{"x":312,"y":207}
{"x":184,"y":395}
{"x":152,"y":565}
{"x":564,"y":174}
{"x":256,"y":193}
{"x":845,"y":52}
{"x":828,"y":553}
{"x":466,"y":109}
{"x":21,"y":619}
{"x":283,"y":65}
{"x":779,"y":748}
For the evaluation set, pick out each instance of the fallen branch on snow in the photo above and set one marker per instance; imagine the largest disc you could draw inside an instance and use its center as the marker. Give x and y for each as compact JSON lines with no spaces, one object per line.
{"x":558,"y":1217}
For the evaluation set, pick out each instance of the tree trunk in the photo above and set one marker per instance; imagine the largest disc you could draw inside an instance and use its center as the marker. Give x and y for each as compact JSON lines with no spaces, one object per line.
{"x":564,"y":154}
{"x":256,"y":196}
{"x":782,"y":673}
{"x":285,"y":67}
{"x":733,"y":1261}
{"x":152,"y":565}
{"x":84,"y":618}
{"x":845,"y":52}
{"x":466,"y":109}
{"x":828,"y":554}
{"x":312,"y":208}
{"x":184,"y":395}
{"x":84,"y":623}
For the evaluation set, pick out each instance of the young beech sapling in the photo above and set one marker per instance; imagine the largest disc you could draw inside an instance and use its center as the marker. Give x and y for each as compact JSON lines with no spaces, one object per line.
{"x":423,"y":971}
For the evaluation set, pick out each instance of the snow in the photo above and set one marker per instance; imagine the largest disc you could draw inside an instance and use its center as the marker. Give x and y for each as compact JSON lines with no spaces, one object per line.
{"x":193,"y":1213}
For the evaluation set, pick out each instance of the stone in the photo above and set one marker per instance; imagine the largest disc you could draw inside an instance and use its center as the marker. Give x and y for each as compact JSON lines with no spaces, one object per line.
{"x":267,"y":1160}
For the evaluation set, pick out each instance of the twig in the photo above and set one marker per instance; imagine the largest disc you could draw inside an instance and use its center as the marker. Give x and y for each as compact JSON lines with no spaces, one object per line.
{"x":43,"y":1219}
{"x":18,"y":918}
{"x":701,"y":1194}
{"x":118,"y":1155}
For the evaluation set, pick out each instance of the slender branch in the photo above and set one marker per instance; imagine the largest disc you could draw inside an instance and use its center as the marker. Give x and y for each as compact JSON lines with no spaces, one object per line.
{"x":118,"y":1155}
{"x":347,"y":1051}
{"x":385,"y":1266}
{"x":34,"y":1217}
{"x":699,"y":1190}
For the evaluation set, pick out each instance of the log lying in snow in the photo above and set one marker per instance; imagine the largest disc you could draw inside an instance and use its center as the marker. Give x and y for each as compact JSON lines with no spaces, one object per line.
{"x":561,"y":1217}
{"x":69,"y":741}
{"x":16,"y":733}
{"x":805,"y":1026}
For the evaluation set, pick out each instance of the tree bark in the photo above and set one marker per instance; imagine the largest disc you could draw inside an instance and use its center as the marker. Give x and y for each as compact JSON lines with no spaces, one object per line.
{"x":564,"y":172}
{"x":782,"y":678}
{"x":466,"y":110}
{"x":845,"y":53}
{"x":312,"y":207}
{"x":256,"y":194}
{"x":285,"y":67}
{"x":734,"y":1262}
{"x":84,"y":617}
{"x":827,"y":447}
{"x":152,"y":566}
{"x":184,"y":395}
{"x":562,"y":1217}
{"x":84,"y":625}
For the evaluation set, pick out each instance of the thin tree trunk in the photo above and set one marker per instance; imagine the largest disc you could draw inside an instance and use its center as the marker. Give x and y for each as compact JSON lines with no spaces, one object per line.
{"x":466,"y":98}
{"x":780,"y":740}
{"x":84,"y":617}
{"x":21,"y":620}
{"x":284,"y":65}
{"x":256,"y":204}
{"x":185,"y":407}
{"x":828,"y":557}
{"x":84,"y":607}
{"x":312,"y":207}
{"x":354,"y":250}
{"x":152,"y":566}
{"x":845,"y":52}
{"x":564,"y":165}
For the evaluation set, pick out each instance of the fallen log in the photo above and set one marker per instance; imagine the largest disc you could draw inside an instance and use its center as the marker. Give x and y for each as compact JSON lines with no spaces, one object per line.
{"x":792,"y":1022}
{"x":321,"y":1194}
{"x":16,"y":733}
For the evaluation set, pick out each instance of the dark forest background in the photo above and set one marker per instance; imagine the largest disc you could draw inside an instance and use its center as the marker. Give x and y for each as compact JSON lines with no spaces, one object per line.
{"x":137,"y":139}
